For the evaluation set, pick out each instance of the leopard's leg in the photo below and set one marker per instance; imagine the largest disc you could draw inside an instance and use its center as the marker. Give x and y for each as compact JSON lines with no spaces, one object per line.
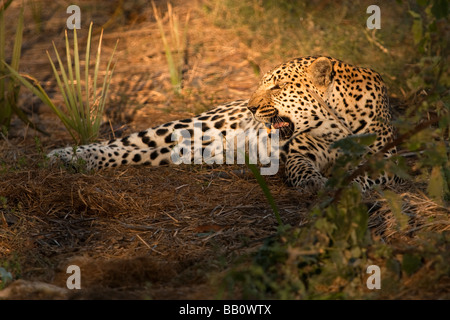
{"x":385,"y":134}
{"x":367,"y":181}
{"x":307,"y":160}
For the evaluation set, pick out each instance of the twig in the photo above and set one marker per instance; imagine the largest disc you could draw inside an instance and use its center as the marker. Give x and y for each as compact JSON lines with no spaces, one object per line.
{"x":148,"y":246}
{"x":373,"y":40}
{"x":141,"y":227}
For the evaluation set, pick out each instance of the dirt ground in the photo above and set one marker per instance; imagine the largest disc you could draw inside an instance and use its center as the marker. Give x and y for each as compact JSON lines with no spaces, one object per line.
{"x":135,"y":232}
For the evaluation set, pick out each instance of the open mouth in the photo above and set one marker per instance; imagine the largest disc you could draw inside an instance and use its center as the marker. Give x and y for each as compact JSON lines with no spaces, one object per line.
{"x":285,"y":126}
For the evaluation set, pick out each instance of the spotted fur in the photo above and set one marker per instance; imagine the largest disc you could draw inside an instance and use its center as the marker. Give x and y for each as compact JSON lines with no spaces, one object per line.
{"x":313,"y":101}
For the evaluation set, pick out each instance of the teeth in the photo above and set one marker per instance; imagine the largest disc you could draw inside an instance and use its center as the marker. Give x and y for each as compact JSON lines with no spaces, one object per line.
{"x":281,"y":124}
{"x":277,"y":125}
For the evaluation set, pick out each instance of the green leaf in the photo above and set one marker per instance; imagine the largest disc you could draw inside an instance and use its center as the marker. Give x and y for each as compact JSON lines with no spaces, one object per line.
{"x":398,"y":166}
{"x":395,"y":203}
{"x":436,"y":185}
{"x":411,"y":263}
{"x":325,"y":226}
{"x":440,"y":9}
{"x":17,"y":43}
{"x":356,"y":144}
{"x":414,"y":14}
{"x":394,"y":266}
{"x":422,"y":3}
{"x":356,"y":252}
{"x":417,"y":28}
{"x":6,"y":4}
{"x":417,"y":31}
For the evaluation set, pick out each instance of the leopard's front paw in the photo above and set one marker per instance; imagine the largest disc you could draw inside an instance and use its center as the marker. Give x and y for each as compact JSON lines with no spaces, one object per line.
{"x":312,"y":185}
{"x":63,"y":155}
{"x":69,"y":158}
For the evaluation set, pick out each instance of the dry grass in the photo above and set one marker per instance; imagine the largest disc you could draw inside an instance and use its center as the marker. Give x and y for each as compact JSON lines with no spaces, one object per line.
{"x":422,"y":212}
{"x":157,"y":232}
{"x":146,"y":216}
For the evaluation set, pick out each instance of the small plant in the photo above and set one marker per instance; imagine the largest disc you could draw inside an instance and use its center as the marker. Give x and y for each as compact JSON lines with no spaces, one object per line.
{"x":84,"y":104}
{"x":9,"y":87}
{"x":175,"y":49}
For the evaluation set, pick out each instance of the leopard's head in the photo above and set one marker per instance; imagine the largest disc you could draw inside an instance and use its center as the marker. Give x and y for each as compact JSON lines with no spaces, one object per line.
{"x":283,"y":98}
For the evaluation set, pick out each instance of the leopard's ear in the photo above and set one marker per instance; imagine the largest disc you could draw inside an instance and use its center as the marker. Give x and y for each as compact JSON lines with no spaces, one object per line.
{"x":320,"y":72}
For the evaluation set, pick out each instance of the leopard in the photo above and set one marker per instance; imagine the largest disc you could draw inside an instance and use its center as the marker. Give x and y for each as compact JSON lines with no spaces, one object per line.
{"x":310,"y":102}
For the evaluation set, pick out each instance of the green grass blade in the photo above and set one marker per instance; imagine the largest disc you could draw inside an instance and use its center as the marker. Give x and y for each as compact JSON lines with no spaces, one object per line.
{"x":86,"y":66}
{"x":14,"y":88}
{"x":17,"y":43}
{"x":106,"y":80}
{"x":58,"y":80}
{"x":175,"y":79}
{"x":10,"y":97}
{"x":2,"y":48}
{"x":68,"y":85}
{"x":265,"y":189}
{"x":97,"y":63}
{"x":6,"y":4}
{"x":76,"y":58}
{"x":97,"y":111}
{"x":73,"y":109}
{"x":185,"y":34}
{"x":3,"y":105}
{"x":105,"y":89}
